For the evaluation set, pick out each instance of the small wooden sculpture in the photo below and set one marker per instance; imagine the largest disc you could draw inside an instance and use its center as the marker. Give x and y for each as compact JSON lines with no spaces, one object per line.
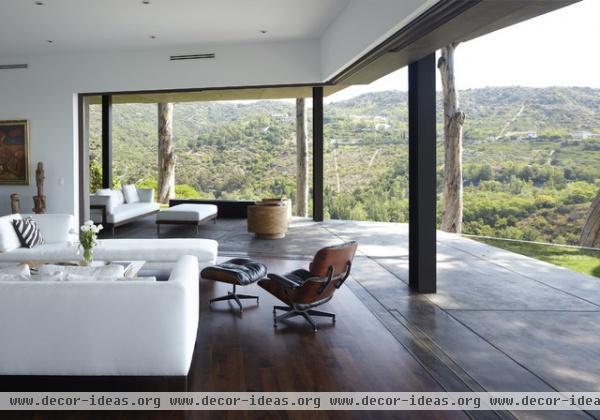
{"x":15,"y":204}
{"x":39,"y":201}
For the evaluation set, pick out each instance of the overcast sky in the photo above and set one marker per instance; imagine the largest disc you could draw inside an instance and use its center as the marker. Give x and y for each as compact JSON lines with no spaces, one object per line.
{"x":557,"y":49}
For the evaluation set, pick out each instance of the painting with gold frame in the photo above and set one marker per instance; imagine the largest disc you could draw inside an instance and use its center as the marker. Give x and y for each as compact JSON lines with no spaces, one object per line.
{"x":14,"y":152}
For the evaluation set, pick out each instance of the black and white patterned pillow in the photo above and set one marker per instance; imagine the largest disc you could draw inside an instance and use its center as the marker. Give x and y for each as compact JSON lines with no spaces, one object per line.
{"x":28,"y":232}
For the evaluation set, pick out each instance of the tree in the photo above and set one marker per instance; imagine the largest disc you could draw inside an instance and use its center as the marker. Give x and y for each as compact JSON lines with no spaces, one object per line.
{"x":166,"y":154}
{"x":453,"y":121}
{"x":590,"y":234}
{"x":301,"y":159}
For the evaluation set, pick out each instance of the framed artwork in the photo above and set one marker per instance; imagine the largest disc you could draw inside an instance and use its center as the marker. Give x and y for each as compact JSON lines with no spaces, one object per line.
{"x":14,"y":152}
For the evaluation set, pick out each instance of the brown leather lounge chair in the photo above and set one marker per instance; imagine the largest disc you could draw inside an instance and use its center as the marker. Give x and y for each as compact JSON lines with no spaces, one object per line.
{"x":303,"y":290}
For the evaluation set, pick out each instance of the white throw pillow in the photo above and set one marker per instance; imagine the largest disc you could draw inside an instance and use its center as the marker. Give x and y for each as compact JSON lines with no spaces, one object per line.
{"x":104,"y":191}
{"x":79,"y":277}
{"x":137,"y":279}
{"x":119,"y":198}
{"x":49,"y":277}
{"x":19,"y":270}
{"x":9,"y":239}
{"x":13,"y":277}
{"x":112,"y":271}
{"x":130,"y":193}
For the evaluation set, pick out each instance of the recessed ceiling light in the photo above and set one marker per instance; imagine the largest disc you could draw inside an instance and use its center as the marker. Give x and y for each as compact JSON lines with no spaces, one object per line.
{"x":152,"y":36}
{"x":38,"y":3}
{"x":145,"y":1}
{"x":263,"y":31}
{"x":49,"y":41}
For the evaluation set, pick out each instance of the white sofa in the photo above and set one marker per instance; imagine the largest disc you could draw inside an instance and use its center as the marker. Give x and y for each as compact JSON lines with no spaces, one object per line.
{"x":99,"y":327}
{"x":110,"y":207}
{"x":60,"y":244}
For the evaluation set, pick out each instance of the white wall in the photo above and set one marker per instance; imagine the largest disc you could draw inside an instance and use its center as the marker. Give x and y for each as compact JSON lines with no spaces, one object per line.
{"x":46,"y":95}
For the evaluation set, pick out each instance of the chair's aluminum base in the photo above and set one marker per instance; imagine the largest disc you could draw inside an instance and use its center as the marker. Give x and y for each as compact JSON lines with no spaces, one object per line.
{"x":305,"y":313}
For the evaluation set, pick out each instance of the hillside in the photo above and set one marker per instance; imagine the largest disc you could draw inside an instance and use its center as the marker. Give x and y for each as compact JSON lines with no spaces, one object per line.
{"x":525,"y":173}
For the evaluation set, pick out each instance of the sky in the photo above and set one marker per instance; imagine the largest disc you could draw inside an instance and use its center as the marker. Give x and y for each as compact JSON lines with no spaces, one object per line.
{"x":556,"y":49}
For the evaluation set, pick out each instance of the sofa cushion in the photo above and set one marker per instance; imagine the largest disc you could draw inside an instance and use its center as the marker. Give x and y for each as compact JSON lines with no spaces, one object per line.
{"x":162,"y":250}
{"x":128,"y":211}
{"x":9,"y":239}
{"x":131,"y":194}
{"x":46,"y":252}
{"x":28,"y":232}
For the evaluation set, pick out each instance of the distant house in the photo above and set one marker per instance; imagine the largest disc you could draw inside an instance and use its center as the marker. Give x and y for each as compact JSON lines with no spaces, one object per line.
{"x":582,"y":134}
{"x":523,"y":135}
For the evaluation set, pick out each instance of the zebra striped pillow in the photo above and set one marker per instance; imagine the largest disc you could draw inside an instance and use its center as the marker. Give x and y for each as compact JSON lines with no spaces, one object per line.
{"x":28,"y":232}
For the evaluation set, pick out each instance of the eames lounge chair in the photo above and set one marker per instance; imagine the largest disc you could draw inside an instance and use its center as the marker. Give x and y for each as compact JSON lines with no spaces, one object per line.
{"x":303,"y":290}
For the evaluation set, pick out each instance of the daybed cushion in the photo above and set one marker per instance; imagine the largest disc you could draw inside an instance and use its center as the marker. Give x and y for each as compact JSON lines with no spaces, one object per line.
{"x":187,"y":212}
{"x":128,"y":211}
{"x":9,"y":239}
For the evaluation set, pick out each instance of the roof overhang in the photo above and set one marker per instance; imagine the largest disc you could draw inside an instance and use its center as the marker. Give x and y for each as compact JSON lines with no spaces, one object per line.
{"x":444,"y":23}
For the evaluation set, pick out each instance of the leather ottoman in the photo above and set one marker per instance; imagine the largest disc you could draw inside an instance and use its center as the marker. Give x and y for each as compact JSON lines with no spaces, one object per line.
{"x":238,"y":272}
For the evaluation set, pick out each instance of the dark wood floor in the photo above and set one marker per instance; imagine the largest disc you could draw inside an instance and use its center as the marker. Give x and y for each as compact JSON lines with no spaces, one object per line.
{"x":243,"y":352}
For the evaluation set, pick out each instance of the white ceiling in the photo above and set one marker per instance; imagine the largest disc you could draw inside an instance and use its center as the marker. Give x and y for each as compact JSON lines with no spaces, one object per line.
{"x":103,"y":25}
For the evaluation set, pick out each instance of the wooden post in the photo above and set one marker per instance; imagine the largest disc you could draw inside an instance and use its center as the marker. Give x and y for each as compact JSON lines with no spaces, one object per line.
{"x":318,"y":210}
{"x":421,"y":175}
{"x":301,"y":159}
{"x":166,"y":154}
{"x":106,"y":141}
{"x":454,"y":118}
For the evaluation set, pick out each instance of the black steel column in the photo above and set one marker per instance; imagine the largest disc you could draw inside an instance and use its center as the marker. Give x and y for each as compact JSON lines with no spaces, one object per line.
{"x":106,"y":141}
{"x":317,"y":190}
{"x":422,"y":175}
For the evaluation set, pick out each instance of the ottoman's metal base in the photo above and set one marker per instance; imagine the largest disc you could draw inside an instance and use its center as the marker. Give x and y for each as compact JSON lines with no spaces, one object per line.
{"x":235,"y":296}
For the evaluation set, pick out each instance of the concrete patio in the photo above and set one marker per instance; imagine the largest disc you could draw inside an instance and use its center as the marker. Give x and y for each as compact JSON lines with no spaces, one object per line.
{"x":499,"y":322}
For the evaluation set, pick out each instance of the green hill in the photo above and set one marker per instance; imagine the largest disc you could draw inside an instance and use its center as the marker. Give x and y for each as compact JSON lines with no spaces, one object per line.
{"x":526,"y":175}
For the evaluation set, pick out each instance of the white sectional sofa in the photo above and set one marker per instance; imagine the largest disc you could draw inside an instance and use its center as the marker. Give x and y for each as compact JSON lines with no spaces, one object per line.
{"x":60,"y":244}
{"x":112,"y":208}
{"x":100,"y":327}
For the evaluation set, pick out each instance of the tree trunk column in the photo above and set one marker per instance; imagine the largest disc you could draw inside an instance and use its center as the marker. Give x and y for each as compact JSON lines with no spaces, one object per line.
{"x":301,"y":159}
{"x":590,"y":234}
{"x":166,"y":155}
{"x":452,"y":197}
